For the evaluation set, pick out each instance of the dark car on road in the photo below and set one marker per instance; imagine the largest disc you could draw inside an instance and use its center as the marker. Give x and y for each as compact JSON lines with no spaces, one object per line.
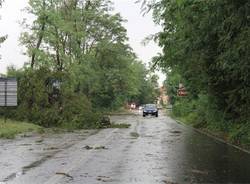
{"x":150,"y":109}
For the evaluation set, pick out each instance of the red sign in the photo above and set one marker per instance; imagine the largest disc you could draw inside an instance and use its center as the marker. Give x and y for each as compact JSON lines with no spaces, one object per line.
{"x":182,"y":92}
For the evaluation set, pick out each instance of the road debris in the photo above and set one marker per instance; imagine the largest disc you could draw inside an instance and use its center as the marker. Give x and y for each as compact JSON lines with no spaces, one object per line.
{"x":103,"y":178}
{"x":39,"y":141}
{"x":87,"y":147}
{"x":65,"y":174}
{"x":100,"y":147}
{"x":134,"y":134}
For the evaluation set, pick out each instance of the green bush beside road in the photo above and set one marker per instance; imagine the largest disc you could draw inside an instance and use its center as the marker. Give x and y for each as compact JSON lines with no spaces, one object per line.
{"x":199,"y":114}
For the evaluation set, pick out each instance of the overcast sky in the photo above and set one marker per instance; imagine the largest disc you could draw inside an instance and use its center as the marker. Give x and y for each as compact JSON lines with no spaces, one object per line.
{"x":138,"y":28}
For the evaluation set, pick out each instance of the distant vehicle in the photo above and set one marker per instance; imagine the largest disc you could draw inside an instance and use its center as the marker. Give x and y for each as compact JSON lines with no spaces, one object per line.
{"x":150,"y":109}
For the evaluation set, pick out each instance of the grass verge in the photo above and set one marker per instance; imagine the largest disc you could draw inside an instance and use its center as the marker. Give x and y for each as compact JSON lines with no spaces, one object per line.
{"x":10,"y":128}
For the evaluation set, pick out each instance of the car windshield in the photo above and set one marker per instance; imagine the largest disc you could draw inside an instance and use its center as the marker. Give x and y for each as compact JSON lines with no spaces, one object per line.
{"x":150,"y":106}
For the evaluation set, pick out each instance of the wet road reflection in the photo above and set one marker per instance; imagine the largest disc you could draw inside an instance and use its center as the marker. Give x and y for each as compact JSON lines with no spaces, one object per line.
{"x":205,"y":160}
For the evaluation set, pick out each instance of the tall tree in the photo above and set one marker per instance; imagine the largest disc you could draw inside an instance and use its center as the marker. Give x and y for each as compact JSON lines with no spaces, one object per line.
{"x":207,"y":42}
{"x":67,"y":31}
{"x":77,"y":49}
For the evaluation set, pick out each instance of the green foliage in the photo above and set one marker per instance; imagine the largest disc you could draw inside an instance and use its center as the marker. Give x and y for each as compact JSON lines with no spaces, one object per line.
{"x":121,"y":125}
{"x":80,"y":65}
{"x":207,"y":42}
{"x":11,"y":128}
{"x":206,"y":46}
{"x":182,"y":107}
{"x":43,"y":104}
{"x":172,"y":85}
{"x":240,"y":134}
{"x":201,"y":113}
{"x":148,"y":89}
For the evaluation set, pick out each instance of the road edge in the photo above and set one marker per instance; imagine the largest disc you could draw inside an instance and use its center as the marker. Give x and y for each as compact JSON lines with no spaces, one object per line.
{"x":211,"y":136}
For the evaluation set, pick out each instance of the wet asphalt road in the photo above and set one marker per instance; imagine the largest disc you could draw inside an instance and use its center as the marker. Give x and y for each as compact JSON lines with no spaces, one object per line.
{"x":153,"y":150}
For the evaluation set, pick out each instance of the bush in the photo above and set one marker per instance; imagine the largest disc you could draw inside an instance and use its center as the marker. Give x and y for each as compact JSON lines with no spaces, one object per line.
{"x":42,"y":104}
{"x":77,"y":110}
{"x":182,"y":107}
{"x":200,"y":112}
{"x":240,"y":133}
{"x":203,"y":113}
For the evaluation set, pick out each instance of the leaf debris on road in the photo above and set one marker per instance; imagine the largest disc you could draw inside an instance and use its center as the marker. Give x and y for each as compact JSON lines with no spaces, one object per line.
{"x":64,"y":174}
